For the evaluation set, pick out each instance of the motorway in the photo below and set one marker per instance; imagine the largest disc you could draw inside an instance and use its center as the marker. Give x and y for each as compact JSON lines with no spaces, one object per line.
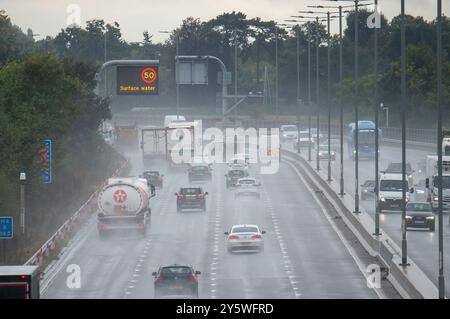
{"x":303,"y":258}
{"x":422,"y":244}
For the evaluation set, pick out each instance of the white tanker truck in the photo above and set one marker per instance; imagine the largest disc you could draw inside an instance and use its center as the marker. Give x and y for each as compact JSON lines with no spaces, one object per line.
{"x":124,"y":205}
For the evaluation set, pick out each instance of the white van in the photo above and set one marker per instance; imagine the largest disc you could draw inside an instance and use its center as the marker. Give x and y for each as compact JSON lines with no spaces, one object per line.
{"x":390,"y":192}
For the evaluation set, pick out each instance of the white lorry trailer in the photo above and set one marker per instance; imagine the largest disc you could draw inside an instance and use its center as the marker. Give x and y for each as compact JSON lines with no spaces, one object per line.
{"x":124,"y":204}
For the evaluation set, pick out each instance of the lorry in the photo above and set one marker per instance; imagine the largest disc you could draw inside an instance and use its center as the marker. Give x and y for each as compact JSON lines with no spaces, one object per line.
{"x":124,"y":205}
{"x":19,"y":282}
{"x":163,"y":143}
{"x":391,"y":192}
{"x":366,"y":139}
{"x":431,"y":181}
{"x":126,"y":136}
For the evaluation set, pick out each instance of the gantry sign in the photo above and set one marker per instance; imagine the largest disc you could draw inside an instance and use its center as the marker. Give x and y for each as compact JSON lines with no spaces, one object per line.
{"x":137,"y":80}
{"x":134,"y":77}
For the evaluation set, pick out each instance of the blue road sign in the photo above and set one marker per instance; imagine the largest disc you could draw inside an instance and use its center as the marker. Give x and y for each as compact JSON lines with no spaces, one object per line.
{"x":6,"y":227}
{"x":46,"y":161}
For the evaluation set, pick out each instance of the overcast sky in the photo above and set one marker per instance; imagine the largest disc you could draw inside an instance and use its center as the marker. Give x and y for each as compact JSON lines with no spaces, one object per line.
{"x":48,"y":17}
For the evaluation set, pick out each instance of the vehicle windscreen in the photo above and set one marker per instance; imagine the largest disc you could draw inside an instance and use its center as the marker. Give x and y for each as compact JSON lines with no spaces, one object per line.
{"x":171,"y":272}
{"x":199,"y":168}
{"x":151,"y":174}
{"x":447,"y":151}
{"x":445,"y":182}
{"x":290,"y":129}
{"x":304,"y":134}
{"x":190,"y":191}
{"x":392,"y":186}
{"x":247,"y":182}
{"x":419,"y":207}
{"x":245,"y":230}
{"x":236,"y":173}
{"x":323,"y":148}
{"x":366,"y":137}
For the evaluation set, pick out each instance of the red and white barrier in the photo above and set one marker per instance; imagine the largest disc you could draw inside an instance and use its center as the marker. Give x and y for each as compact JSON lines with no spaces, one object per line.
{"x":51,"y":247}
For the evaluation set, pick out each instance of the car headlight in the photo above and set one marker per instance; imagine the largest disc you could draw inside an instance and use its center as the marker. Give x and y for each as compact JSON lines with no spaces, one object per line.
{"x":408,"y":217}
{"x":430,"y":217}
{"x":435,"y":198}
{"x":406,"y":199}
{"x":365,"y":191}
{"x":354,"y":151}
{"x":419,"y":191}
{"x":332,"y":153}
{"x":382,"y":199}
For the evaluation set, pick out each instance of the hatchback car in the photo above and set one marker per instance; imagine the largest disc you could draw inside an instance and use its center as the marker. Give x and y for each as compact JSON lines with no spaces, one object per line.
{"x":154,"y":178}
{"x":420,"y":215}
{"x":247,"y":187}
{"x":199,"y":172}
{"x":233,"y":176}
{"x":368,"y":189}
{"x":176,"y":280}
{"x":191,"y":197}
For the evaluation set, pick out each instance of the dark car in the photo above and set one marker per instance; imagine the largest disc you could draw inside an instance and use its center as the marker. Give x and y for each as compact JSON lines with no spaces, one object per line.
{"x":233,"y":176}
{"x":176,"y":280}
{"x":199,"y":173}
{"x":154,"y":178}
{"x":368,"y":189}
{"x":191,"y":197}
{"x":420,"y":215}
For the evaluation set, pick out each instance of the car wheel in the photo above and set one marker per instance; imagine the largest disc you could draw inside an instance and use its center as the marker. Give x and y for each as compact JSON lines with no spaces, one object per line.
{"x":179,"y":209}
{"x":230,"y":250}
{"x":261,"y":249}
{"x":432,"y":228}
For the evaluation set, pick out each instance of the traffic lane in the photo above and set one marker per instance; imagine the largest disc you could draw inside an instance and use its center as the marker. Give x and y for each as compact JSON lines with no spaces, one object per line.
{"x":176,"y":237}
{"x":249,"y":274}
{"x":321,"y":263}
{"x":423,"y":245}
{"x":104,"y":264}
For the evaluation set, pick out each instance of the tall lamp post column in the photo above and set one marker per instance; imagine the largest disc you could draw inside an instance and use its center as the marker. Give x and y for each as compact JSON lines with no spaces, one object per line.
{"x":441,"y":278}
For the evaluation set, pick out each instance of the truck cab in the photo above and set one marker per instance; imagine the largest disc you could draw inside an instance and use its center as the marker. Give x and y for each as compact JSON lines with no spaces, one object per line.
{"x":390,"y":192}
{"x":432,"y":185}
{"x":19,"y":282}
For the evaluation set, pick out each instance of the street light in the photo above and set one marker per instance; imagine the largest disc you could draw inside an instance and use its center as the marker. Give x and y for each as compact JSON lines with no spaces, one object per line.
{"x":22,"y":179}
{"x":403,"y":108}
{"x":297,"y":20}
{"x":328,"y":87}
{"x":177,"y":40}
{"x":357,"y":4}
{"x":441,"y":278}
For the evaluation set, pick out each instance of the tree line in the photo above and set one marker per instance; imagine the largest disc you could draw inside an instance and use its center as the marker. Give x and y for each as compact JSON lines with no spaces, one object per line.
{"x":47,"y":96}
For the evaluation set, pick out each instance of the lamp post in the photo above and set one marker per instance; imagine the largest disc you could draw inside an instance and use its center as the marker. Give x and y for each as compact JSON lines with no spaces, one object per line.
{"x":441,"y":278}
{"x":376,"y":106}
{"x":341,"y":108}
{"x":309,"y":82}
{"x":22,"y":179}
{"x":403,"y":111}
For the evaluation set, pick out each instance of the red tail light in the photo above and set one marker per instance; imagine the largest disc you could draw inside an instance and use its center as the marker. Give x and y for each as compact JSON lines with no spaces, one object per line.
{"x":140,"y":226}
{"x":158,"y":279}
{"x":159,"y":178}
{"x":101,"y":226}
{"x":200,"y":196}
{"x":180,"y":196}
{"x":233,"y":237}
{"x":256,"y":236}
{"x":193,"y":277}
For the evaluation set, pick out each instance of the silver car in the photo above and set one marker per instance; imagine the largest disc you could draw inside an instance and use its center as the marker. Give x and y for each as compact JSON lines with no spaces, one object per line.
{"x":247,"y":187}
{"x":245,"y":237}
